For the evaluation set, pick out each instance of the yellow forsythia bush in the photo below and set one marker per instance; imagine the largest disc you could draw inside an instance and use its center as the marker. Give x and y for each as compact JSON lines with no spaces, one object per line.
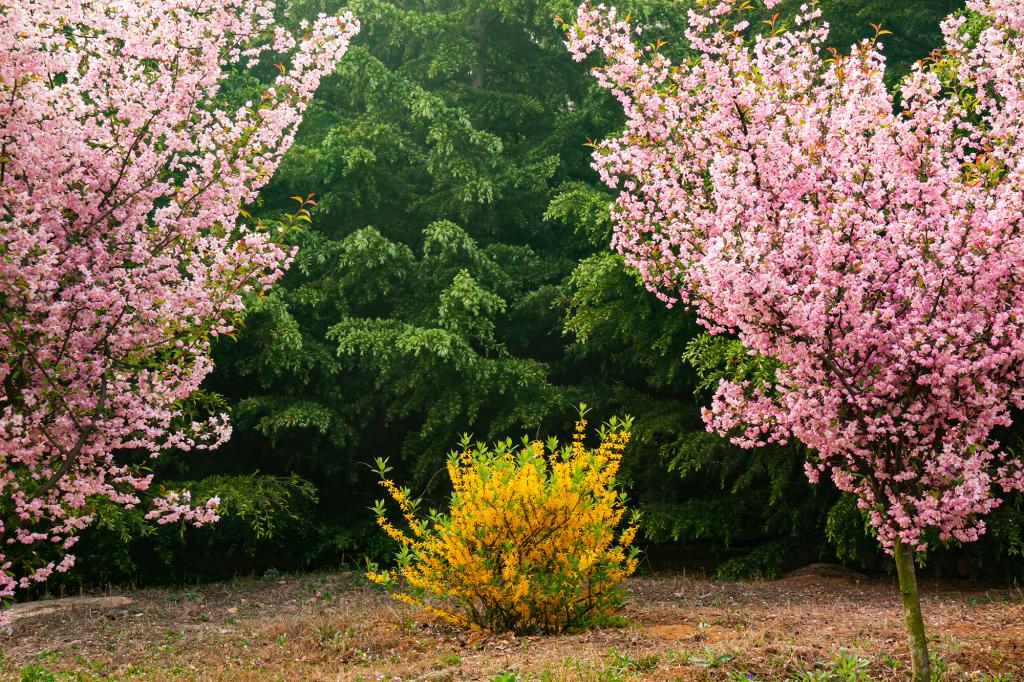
{"x":533,"y":540}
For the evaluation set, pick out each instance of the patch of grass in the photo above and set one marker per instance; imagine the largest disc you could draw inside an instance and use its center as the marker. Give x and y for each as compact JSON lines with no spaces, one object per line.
{"x":189,"y":593}
{"x":606,"y":620}
{"x":328,"y":634}
{"x":36,"y":673}
{"x":707,"y":657}
{"x":577,"y":670}
{"x":975,"y":600}
{"x":99,"y":668}
{"x":616,"y":667}
{"x":735,"y":676}
{"x":626,"y":663}
{"x":847,"y":666}
{"x":171,"y":637}
{"x":451,"y":659}
{"x":939,"y":668}
{"x":410,"y":626}
{"x":509,"y":676}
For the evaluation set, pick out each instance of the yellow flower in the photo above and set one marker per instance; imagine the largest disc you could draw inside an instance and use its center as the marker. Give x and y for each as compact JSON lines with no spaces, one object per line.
{"x":528,"y":542}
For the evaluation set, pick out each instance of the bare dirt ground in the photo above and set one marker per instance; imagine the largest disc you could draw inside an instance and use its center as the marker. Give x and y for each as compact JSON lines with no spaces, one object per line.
{"x":336,"y":627}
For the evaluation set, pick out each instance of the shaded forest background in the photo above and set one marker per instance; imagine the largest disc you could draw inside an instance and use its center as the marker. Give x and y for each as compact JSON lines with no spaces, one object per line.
{"x":455,"y":278}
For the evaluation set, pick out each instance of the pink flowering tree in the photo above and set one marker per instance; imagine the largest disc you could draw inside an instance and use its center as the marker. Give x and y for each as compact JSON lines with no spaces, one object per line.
{"x":123,"y":244}
{"x":873,"y":252}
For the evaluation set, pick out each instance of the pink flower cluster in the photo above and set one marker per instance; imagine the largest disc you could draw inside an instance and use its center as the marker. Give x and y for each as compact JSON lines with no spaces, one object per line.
{"x":875,"y":250}
{"x":121,"y":248}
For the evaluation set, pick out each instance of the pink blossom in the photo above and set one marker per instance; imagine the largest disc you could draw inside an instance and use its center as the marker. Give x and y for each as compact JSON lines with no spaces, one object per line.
{"x":876,"y":251}
{"x":121,"y":248}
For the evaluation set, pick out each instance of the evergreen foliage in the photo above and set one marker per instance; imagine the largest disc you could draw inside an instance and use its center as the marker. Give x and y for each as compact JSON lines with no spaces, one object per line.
{"x":455,"y":278}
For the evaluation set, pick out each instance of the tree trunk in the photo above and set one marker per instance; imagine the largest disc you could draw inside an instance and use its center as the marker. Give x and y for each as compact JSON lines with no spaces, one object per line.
{"x":912,"y":612}
{"x":479,"y":30}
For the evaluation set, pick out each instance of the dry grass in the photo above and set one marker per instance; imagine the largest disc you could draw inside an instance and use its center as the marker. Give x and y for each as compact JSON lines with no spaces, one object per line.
{"x":335,"y":627}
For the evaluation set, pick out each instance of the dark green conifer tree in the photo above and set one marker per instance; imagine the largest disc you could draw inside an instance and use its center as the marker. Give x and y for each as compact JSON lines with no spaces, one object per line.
{"x":456,"y":277}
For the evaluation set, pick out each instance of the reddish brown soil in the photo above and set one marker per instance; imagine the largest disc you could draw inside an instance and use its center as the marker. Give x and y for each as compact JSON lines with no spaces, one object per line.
{"x":335,"y":627}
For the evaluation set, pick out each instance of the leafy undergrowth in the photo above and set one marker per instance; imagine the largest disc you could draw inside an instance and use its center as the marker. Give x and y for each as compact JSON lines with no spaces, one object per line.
{"x":804,"y":628}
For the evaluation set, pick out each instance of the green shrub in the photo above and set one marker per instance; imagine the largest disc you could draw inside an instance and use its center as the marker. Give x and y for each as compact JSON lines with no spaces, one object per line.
{"x":764,"y":561}
{"x":266,"y":521}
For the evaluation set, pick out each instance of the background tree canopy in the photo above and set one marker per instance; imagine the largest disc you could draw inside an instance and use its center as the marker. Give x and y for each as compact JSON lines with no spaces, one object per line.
{"x":456,"y":278}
